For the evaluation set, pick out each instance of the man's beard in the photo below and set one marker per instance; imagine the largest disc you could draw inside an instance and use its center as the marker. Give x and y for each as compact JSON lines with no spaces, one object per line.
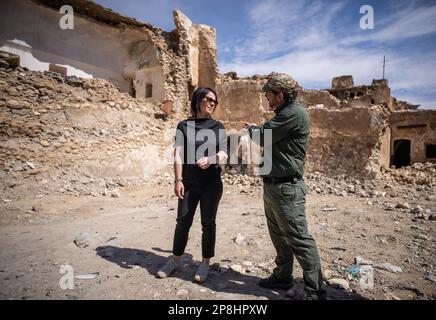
{"x":272,"y":106}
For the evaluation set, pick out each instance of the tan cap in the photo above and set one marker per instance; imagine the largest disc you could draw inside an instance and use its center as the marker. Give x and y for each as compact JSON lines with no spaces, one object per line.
{"x":281,"y":82}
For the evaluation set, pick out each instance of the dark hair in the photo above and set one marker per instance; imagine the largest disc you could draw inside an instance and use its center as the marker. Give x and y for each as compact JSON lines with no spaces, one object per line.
{"x":197,"y":97}
{"x":287,"y":96}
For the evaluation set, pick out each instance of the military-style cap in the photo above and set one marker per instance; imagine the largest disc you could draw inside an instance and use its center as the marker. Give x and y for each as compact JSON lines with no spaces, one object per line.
{"x":281,"y":82}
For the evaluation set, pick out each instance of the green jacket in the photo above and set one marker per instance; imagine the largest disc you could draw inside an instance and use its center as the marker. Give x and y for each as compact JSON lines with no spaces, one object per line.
{"x":290,"y":135}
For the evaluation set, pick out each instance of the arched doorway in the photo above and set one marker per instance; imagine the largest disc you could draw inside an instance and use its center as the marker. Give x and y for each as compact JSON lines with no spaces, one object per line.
{"x":401,"y":153}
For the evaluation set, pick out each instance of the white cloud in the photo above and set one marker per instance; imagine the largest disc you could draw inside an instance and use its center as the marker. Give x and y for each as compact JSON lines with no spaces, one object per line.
{"x":407,"y":23}
{"x":157,"y":12}
{"x":298,"y":38}
{"x":280,"y":25}
{"x":316,"y":67}
{"x":423,"y":102}
{"x":410,"y":72}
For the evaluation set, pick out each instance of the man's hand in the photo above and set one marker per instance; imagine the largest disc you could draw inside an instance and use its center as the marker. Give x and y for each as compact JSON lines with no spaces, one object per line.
{"x":179,"y":189}
{"x":248,"y":125}
{"x":203,"y":163}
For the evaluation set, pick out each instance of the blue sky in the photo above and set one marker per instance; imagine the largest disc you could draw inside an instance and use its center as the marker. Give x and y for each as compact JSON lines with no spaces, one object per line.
{"x":314,"y":40}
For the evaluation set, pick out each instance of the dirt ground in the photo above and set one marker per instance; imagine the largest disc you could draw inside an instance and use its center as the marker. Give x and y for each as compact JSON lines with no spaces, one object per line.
{"x":130,"y":238}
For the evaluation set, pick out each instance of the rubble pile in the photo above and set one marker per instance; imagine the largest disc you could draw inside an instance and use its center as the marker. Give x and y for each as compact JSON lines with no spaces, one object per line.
{"x":73,"y":136}
{"x":416,"y":174}
{"x":83,"y":137}
{"x":242,"y":180}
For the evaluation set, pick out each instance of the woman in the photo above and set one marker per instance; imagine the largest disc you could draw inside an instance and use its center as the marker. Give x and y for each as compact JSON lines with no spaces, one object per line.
{"x":197,"y":178}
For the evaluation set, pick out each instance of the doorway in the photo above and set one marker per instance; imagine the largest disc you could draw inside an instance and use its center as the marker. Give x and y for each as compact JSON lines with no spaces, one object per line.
{"x":401,"y":153}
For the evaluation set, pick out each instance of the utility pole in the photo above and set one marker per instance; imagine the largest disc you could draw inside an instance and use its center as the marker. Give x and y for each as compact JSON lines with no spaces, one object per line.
{"x":384,"y":64}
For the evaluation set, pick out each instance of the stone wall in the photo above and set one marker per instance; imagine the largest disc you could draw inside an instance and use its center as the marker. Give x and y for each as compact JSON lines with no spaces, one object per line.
{"x":342,"y":82}
{"x":239,"y":101}
{"x":362,"y":96}
{"x":75,"y":135}
{"x":199,"y":42}
{"x":348,"y":141}
{"x":319,"y":98}
{"x":140,"y":59}
{"x":352,"y":141}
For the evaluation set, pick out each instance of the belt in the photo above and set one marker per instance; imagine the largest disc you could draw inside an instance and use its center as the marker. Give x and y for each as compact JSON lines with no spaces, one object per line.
{"x":275,"y":180}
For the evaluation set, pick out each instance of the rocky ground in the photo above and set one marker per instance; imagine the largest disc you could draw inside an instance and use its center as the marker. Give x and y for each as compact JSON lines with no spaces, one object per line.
{"x":75,"y":136}
{"x":115,"y":245}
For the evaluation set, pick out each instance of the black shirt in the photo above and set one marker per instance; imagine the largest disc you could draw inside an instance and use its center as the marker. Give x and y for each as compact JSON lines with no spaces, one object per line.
{"x":200,"y":138}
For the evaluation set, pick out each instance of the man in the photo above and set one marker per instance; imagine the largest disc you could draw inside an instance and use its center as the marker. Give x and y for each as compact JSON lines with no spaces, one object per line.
{"x":284,"y":188}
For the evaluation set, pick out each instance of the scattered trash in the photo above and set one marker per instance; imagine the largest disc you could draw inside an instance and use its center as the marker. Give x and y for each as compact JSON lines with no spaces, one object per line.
{"x":82,"y":240}
{"x":86,"y":276}
{"x":353,"y":270}
{"x":431,"y":277}
{"x":339,"y":248}
{"x":362,"y":261}
{"x":389,"y":267}
{"x":329,"y":209}
{"x":240,"y":240}
{"x":339,"y":284}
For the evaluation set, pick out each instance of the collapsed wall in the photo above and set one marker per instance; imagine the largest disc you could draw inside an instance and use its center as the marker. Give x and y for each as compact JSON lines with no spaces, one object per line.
{"x":199,"y":48}
{"x":413,"y":137}
{"x":239,"y":101}
{"x":350,"y":141}
{"x":65,"y":127}
{"x":79,"y":136}
{"x":319,"y":99}
{"x":142,"y":60}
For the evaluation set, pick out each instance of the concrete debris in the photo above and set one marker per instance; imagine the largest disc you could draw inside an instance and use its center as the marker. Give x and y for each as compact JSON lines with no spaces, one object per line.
{"x":339,"y":284}
{"x":82,"y":240}
{"x":388,"y":267}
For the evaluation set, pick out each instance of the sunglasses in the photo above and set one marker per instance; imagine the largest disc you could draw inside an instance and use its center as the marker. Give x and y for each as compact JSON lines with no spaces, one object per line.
{"x":210,"y":100}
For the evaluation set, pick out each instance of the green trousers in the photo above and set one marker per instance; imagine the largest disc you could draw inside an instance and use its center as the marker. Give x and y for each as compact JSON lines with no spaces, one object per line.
{"x":286,"y":219}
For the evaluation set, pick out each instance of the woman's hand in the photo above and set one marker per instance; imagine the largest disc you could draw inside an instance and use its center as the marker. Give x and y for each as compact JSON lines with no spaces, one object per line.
{"x":179,"y":189}
{"x":203,"y":163}
{"x":247,"y":125}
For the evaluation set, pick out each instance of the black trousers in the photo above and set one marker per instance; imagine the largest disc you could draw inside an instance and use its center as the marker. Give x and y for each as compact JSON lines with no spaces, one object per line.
{"x":208,"y":193}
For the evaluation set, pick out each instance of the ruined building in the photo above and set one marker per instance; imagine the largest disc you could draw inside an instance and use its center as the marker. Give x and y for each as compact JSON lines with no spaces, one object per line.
{"x":145,"y":61}
{"x":355,"y":130}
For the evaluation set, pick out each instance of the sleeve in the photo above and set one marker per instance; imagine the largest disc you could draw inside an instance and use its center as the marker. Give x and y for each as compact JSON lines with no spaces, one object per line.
{"x":179,"y":138}
{"x":281,"y":126}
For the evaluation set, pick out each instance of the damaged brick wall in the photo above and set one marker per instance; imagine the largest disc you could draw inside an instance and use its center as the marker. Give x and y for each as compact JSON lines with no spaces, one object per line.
{"x":348,"y":141}
{"x":239,"y":101}
{"x":147,"y":62}
{"x":79,"y":136}
{"x":353,"y":141}
{"x":319,"y":98}
{"x":198,"y":44}
{"x":376,"y":93}
{"x":417,"y":129}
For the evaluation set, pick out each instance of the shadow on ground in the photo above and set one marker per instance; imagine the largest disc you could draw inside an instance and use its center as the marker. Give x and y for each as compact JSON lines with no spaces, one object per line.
{"x":227,"y":282}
